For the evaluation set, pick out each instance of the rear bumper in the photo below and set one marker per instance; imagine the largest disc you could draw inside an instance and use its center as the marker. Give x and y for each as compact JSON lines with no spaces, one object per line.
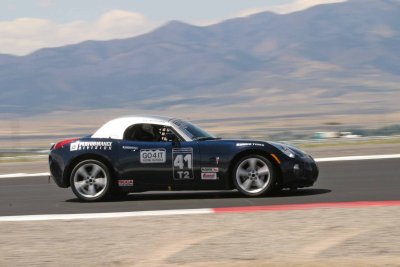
{"x":56,"y":165}
{"x":299,"y":172}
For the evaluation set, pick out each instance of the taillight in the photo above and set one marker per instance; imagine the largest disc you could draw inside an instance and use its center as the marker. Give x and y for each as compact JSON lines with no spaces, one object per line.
{"x":63,"y":143}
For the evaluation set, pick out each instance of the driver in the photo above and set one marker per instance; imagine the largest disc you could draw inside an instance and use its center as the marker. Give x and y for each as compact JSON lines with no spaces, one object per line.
{"x":147,"y":132}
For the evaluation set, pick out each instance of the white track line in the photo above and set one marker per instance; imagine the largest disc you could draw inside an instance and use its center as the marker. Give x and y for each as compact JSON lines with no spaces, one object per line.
{"x":19,"y":175}
{"x":367,"y":157}
{"x":281,"y":207}
{"x":330,"y":159}
{"x":84,"y":216}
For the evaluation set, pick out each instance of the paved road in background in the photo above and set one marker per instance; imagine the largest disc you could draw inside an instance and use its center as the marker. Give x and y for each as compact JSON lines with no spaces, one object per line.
{"x":338,"y":181}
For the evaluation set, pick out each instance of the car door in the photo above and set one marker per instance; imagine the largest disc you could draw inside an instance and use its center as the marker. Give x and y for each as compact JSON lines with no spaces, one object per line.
{"x":158,"y":164}
{"x":146,"y":163}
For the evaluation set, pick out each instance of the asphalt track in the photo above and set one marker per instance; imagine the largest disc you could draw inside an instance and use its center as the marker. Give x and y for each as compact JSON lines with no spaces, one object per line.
{"x":342,"y":181}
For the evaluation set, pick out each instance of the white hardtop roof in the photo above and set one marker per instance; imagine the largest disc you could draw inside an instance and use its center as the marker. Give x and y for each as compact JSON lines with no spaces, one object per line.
{"x":115,"y":128}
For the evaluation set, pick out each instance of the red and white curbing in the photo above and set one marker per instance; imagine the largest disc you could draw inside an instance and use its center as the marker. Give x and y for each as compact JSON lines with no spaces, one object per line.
{"x":270,"y":208}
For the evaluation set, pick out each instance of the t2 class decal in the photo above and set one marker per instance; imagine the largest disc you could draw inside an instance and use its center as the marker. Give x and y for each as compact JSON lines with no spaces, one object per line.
{"x":182,"y":162}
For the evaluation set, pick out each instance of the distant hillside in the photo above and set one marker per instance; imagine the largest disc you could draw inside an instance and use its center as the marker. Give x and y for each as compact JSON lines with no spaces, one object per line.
{"x":330,"y":59}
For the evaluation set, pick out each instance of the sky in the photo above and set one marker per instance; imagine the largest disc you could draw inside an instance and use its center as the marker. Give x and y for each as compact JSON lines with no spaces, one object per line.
{"x":28,"y":25}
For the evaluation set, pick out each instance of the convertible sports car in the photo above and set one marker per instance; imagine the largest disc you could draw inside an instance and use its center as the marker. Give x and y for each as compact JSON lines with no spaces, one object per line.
{"x":136,"y":154}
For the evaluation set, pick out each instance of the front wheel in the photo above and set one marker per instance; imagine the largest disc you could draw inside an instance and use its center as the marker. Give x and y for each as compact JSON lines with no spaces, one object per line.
{"x":90,"y":180}
{"x":254,"y":175}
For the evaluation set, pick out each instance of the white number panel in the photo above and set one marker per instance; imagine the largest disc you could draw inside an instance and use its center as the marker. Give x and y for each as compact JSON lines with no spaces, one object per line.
{"x":182,"y":163}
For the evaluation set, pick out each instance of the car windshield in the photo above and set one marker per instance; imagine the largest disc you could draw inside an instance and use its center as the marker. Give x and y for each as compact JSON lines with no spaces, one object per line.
{"x":192,"y":131}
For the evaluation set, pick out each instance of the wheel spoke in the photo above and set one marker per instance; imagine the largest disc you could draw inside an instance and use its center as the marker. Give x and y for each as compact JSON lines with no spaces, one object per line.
{"x":259,"y":183}
{"x":95,"y":171}
{"x":101,"y":182}
{"x":252,"y":163}
{"x":264,"y":170}
{"x":82,"y":171}
{"x":92,"y":190}
{"x":247,"y":184}
{"x":80,"y":185}
{"x":242,"y":172}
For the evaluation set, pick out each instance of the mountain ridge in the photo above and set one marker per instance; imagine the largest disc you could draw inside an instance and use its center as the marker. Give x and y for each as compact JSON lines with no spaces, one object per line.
{"x":329,"y":52}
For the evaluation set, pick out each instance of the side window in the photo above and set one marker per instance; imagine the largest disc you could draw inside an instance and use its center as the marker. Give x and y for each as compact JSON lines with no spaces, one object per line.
{"x":129,"y":133}
{"x":147,"y":133}
{"x":163,"y":131}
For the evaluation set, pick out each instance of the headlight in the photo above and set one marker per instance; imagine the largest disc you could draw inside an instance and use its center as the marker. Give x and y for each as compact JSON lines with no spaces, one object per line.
{"x":284,"y":149}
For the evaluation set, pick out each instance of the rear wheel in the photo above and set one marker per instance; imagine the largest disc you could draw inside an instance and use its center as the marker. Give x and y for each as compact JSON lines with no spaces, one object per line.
{"x":254,"y":175}
{"x":90,"y":180}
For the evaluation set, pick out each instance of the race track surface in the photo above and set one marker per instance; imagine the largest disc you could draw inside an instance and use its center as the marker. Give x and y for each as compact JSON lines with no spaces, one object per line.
{"x":367,"y":180}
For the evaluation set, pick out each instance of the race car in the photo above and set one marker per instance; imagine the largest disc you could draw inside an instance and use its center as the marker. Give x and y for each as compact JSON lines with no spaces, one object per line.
{"x":144,"y":153}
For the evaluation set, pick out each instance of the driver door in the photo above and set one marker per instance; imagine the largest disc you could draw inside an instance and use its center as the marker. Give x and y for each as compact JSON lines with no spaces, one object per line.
{"x":158,"y":164}
{"x":146,"y":163}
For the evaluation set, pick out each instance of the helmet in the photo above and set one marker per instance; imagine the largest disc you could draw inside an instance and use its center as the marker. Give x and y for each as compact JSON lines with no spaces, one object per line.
{"x":147,"y":128}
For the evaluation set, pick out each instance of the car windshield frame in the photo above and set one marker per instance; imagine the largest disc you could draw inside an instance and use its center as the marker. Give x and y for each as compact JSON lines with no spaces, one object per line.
{"x":192,"y":131}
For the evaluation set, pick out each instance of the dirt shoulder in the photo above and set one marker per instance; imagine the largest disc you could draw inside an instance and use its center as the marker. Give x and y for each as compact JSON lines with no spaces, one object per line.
{"x":320,"y":237}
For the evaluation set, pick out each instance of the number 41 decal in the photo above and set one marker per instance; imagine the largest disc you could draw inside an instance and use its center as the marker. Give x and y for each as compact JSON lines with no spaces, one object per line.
{"x":182,"y":163}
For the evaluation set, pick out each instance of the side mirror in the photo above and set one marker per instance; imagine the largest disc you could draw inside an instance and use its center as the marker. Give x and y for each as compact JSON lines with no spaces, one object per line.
{"x":172,"y":137}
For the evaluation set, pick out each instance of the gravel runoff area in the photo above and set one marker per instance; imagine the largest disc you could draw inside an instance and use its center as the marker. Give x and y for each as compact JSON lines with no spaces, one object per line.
{"x":368,"y":236}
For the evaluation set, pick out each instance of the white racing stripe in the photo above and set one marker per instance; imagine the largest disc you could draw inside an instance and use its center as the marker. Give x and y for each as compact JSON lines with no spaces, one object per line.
{"x":84,"y":216}
{"x":367,"y":157}
{"x":330,"y":159}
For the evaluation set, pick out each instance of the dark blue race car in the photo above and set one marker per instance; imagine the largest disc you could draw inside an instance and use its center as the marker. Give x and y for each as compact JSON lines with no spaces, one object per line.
{"x":136,"y":154}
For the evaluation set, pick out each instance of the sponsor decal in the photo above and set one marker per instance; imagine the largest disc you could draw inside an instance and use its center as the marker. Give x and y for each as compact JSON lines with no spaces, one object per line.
{"x":209,"y":176}
{"x":134,"y":148}
{"x":125,"y":182}
{"x":209,"y":169}
{"x":249,"y":144}
{"x":182,"y":160}
{"x":156,"y":155}
{"x":84,"y":145}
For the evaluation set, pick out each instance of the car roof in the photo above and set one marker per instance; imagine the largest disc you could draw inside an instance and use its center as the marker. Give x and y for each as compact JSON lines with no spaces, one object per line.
{"x":115,"y":128}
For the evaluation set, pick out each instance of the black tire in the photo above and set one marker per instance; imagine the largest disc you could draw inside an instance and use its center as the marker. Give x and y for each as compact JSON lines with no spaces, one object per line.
{"x":254,"y":175}
{"x":91,"y":180}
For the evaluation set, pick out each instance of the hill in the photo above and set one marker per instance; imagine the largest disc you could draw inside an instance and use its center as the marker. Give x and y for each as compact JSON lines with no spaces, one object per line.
{"x":333,"y":59}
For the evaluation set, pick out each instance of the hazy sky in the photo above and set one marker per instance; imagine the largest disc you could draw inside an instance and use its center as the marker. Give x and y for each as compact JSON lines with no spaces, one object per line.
{"x":28,"y":25}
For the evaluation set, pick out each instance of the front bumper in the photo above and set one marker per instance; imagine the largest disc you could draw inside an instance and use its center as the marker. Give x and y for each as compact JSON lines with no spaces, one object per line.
{"x":299,"y":172}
